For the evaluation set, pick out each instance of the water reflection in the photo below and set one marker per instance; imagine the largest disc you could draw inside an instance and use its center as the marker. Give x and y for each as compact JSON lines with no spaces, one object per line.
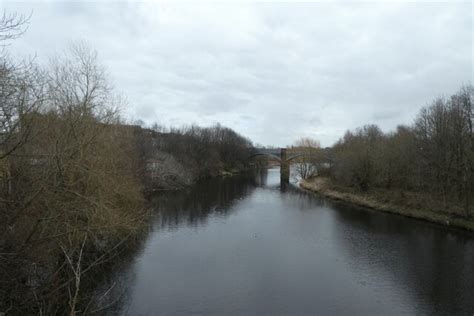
{"x":213,"y":197}
{"x":246,"y":245}
{"x":434,"y":264}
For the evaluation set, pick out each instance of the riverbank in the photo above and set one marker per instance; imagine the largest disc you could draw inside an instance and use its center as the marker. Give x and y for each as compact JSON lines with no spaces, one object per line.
{"x":388,"y":202}
{"x":243,"y":225}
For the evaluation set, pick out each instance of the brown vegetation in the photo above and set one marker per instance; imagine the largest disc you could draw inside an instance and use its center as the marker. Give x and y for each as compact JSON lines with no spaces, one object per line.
{"x":184,"y":155}
{"x":72,"y":176}
{"x":424,"y":170}
{"x":416,"y":205}
{"x":309,"y":157}
{"x":69,"y":190}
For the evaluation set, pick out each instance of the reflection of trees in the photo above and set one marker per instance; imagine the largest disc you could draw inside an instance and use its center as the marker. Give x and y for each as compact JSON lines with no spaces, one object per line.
{"x":194,"y":205}
{"x":191,"y":206}
{"x":430,"y":263}
{"x":425,"y":264}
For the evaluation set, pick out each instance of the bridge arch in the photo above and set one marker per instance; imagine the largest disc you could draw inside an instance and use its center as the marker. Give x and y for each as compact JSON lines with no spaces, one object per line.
{"x":273,"y":156}
{"x":282,"y":159}
{"x":280,"y":155}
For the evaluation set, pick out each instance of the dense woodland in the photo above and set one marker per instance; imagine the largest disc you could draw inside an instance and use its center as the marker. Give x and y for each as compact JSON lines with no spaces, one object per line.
{"x":180,"y":156}
{"x":433,"y":159}
{"x":73,"y":174}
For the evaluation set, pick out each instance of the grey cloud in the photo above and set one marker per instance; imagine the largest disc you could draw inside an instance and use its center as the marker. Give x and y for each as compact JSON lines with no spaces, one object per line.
{"x":272,"y":71}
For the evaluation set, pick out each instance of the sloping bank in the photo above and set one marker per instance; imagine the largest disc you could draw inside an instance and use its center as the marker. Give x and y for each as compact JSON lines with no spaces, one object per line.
{"x":323,"y":187}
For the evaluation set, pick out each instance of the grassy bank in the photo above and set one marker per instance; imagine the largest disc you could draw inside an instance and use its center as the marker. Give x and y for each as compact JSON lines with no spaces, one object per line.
{"x":402,"y":203}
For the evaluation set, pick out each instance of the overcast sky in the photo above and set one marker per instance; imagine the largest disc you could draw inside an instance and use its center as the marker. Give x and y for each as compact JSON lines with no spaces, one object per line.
{"x":273,"y":71}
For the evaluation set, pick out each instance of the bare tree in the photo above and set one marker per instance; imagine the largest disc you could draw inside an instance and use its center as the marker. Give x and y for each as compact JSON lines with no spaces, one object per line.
{"x":75,"y":180}
{"x":434,"y":157}
{"x":21,"y":94}
{"x":12,"y":25}
{"x":20,"y":87}
{"x":309,"y":163}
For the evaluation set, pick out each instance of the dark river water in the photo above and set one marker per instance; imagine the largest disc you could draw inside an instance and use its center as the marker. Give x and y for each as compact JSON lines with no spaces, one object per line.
{"x":245,"y":246}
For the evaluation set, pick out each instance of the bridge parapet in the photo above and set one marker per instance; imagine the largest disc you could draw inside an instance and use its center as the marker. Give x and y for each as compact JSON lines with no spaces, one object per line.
{"x":285,"y":156}
{"x":270,"y":151}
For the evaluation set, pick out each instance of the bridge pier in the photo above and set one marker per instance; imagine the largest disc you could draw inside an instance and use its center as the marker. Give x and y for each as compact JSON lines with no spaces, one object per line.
{"x":284,"y":167}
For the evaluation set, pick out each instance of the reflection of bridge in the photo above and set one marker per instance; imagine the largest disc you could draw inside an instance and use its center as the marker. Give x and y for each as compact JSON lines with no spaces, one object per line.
{"x":281,"y":156}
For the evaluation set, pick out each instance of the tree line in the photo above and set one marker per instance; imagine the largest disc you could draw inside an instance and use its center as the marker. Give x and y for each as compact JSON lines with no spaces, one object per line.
{"x":184,"y":155}
{"x":73,"y":174}
{"x":434,"y":156}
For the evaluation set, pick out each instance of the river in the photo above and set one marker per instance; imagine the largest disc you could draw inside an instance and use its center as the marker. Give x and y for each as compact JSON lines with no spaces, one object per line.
{"x":245,"y":246}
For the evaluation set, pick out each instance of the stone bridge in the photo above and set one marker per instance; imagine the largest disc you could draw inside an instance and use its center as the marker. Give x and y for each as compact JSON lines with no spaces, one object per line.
{"x":283,"y":156}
